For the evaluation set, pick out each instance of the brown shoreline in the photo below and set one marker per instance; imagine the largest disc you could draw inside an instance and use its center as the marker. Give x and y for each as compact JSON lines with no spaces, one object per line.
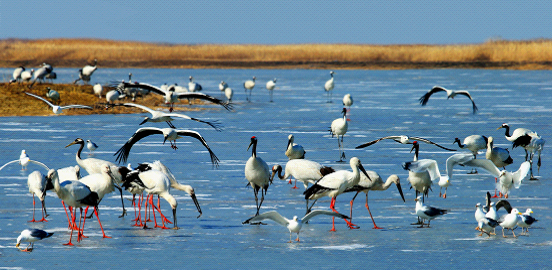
{"x":75,"y":53}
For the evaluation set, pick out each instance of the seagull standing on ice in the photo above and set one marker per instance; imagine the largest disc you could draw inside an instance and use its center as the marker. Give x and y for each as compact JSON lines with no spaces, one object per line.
{"x":31,"y":236}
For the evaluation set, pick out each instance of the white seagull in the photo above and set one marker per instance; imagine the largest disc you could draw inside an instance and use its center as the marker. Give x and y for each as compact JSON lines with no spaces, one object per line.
{"x":249,"y":85}
{"x":506,"y":179}
{"x":334,"y":184}
{"x":171,"y":96}
{"x":159,"y":116}
{"x":294,"y":225}
{"x":270,"y":86}
{"x":510,"y":221}
{"x":329,"y":85}
{"x":59,"y":109}
{"x":257,"y":173}
{"x":24,"y":161}
{"x":340,"y":127}
{"x":91,"y":146}
{"x":450,"y":94}
{"x":526,"y":220}
{"x":294,"y":150}
{"x":403,"y":139}
{"x":486,"y":225}
{"x":427,"y":212}
{"x":169,"y":134}
{"x":31,"y":236}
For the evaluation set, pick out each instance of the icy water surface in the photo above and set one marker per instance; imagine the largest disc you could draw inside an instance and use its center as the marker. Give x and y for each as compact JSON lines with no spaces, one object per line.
{"x":385,"y":103}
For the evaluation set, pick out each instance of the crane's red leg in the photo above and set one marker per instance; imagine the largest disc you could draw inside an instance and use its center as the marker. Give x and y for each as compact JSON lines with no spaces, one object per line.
{"x":159,"y":211}
{"x":43,"y":211}
{"x":71,"y":235}
{"x":350,"y":225}
{"x":96,"y":212}
{"x":33,"y":220}
{"x":495,"y":195}
{"x":367,"y":205}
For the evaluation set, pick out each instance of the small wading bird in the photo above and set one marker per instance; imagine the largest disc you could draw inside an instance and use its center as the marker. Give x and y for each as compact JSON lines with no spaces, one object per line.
{"x":427,"y":212}
{"x":31,"y":236}
{"x":257,"y":173}
{"x":450,"y":94}
{"x":159,"y":116}
{"x":334,"y":184}
{"x":59,"y":109}
{"x":294,"y":225}
{"x":510,"y":221}
{"x":91,"y":146}
{"x":249,"y":85}
{"x":169,"y":134}
{"x":171,"y":96}
{"x":486,"y":225}
{"x":329,"y":85}
{"x":526,"y":220}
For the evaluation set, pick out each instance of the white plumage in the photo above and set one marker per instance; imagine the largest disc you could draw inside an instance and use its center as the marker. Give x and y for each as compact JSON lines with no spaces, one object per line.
{"x":329,"y":85}
{"x":59,"y":109}
{"x":340,"y":127}
{"x":249,"y":85}
{"x":510,"y":222}
{"x":271,"y":86}
{"x":450,"y":94}
{"x":507,"y":180}
{"x":257,"y":173}
{"x":98,"y":89}
{"x":427,"y":212}
{"x":499,"y":156}
{"x":160,"y":116}
{"x":31,"y":236}
{"x":294,"y":150}
{"x":294,"y":225}
{"x":17,"y":74}
{"x":193,"y":86}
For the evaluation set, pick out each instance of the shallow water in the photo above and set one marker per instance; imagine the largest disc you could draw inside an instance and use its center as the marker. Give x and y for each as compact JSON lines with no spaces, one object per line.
{"x":385,"y":103}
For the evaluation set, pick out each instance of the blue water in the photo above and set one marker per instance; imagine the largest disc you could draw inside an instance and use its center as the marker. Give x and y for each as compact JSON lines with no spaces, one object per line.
{"x":385,"y":103}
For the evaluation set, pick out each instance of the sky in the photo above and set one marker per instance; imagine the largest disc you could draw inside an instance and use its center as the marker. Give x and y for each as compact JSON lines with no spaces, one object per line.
{"x":279,"y":22}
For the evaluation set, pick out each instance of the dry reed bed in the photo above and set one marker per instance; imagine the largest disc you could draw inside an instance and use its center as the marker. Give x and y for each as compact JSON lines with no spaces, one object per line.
{"x":75,"y":52}
{"x":16,"y":103}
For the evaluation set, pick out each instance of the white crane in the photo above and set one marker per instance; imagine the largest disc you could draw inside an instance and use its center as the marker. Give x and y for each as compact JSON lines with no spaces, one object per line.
{"x":271,"y":86}
{"x":473,"y":143}
{"x":59,"y":109}
{"x":499,"y":156}
{"x":36,"y":181}
{"x":193,"y":86}
{"x":373,"y":183}
{"x":450,"y":94}
{"x":98,"y":89}
{"x":329,"y":85}
{"x":75,"y":194}
{"x":340,"y":127}
{"x":31,"y":236}
{"x":427,"y":212}
{"x":294,"y":225}
{"x":169,"y":134}
{"x":431,"y":166}
{"x":229,"y":93}
{"x":334,"y":184}
{"x":159,"y":116}
{"x":17,"y":74}
{"x":403,"y":139}
{"x":27,"y":75}
{"x":306,"y":171}
{"x":257,"y":173}
{"x":527,"y":139}
{"x":223,"y":85}
{"x":249,"y":85}
{"x":82,"y":77}
{"x":39,"y":75}
{"x":294,"y":150}
{"x":89,"y":69}
{"x":171,"y":96}
{"x":419,"y":181}
{"x":347,"y":100}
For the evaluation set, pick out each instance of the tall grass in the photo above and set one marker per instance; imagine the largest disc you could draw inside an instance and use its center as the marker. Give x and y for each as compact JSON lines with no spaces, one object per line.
{"x":76,"y":52}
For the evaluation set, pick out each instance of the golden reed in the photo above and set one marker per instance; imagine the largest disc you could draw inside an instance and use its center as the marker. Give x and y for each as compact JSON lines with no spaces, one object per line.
{"x":531,"y":54}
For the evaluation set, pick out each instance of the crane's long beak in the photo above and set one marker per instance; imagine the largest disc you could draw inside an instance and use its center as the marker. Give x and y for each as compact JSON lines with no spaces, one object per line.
{"x":164,"y":139}
{"x":287,"y":145}
{"x":249,"y":146}
{"x":70,"y":144}
{"x":143,"y":122}
{"x":196,"y":203}
{"x":412,"y":148}
{"x":364,"y":172}
{"x":400,"y":191}
{"x":499,"y":128}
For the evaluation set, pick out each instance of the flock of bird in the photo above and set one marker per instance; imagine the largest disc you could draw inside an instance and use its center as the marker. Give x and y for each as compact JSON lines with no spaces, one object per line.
{"x":319,"y":181}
